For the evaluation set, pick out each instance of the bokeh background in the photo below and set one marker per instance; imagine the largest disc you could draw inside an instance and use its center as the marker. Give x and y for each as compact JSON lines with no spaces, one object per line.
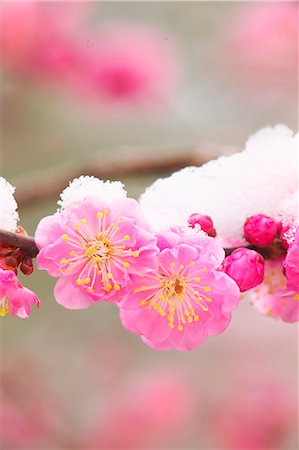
{"x":132,"y":90}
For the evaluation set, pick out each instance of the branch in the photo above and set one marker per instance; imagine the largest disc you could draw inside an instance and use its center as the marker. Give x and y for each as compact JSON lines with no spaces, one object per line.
{"x":26,"y":243}
{"x":136,"y":162}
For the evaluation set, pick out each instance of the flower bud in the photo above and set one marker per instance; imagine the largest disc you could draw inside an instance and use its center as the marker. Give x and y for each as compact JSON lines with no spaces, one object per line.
{"x":205,"y":222}
{"x":260,"y":230}
{"x":246,"y":267}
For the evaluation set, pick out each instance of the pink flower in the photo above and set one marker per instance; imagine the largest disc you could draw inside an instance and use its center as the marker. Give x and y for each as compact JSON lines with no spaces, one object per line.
{"x":205,"y":223}
{"x":15,"y":298}
{"x":259,"y":413}
{"x":260,"y":230}
{"x":39,"y":39}
{"x":261,"y":46}
{"x":291,"y":262}
{"x":274,"y":297}
{"x":149,"y":411}
{"x":94,"y":247}
{"x":246,"y":267}
{"x":184,"y":301}
{"x":130,"y":63}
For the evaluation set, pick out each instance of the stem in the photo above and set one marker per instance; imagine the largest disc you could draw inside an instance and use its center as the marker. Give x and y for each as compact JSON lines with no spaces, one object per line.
{"x":26,"y":243}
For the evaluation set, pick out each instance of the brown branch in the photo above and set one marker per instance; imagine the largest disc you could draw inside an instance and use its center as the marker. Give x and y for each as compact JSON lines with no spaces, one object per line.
{"x":48,"y":184}
{"x":26,"y":243}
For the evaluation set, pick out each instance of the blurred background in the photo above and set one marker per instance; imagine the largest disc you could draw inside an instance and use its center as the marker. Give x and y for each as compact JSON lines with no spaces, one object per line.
{"x":133,"y":91}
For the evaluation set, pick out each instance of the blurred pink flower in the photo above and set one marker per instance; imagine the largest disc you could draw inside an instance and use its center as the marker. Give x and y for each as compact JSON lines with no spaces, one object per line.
{"x":130,"y":63}
{"x":154,"y":410}
{"x":261,"y":42}
{"x":182,"y":303}
{"x":273,"y":297}
{"x":15,"y":298}
{"x":39,"y":39}
{"x":94,"y":247}
{"x":246,"y":267}
{"x":291,"y":263}
{"x":30,"y":411}
{"x":258,"y":415}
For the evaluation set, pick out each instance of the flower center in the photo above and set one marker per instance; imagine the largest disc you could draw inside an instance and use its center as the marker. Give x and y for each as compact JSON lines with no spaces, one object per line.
{"x":173,"y":287}
{"x":99,"y":250}
{"x":180,"y":296}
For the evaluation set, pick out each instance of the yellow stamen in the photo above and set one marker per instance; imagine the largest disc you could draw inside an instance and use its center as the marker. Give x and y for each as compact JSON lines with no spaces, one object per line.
{"x":207,"y":288}
{"x":79,"y":282}
{"x":108,"y":287}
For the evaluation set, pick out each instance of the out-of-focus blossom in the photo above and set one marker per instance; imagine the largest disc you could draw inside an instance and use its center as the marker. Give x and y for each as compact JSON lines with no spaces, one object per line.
{"x":154,"y":410}
{"x":94,"y":246}
{"x":261,"y":44}
{"x":130,"y":63}
{"x":205,"y":223}
{"x":291,"y":263}
{"x":184,"y":301}
{"x":258,"y":414}
{"x":30,"y":412}
{"x":15,"y":298}
{"x":273,"y":297}
{"x":246,"y":267}
{"x":260,"y":230}
{"x":39,"y":39}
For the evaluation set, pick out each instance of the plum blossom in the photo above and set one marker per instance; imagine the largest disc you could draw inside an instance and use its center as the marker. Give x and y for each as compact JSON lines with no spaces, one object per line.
{"x":150,"y":410}
{"x":274,"y":297}
{"x":14,"y":298}
{"x":246,"y":267}
{"x":186,"y":299}
{"x":259,"y":413}
{"x":39,"y":39}
{"x":129,"y":63}
{"x":260,"y":230}
{"x":94,"y":246}
{"x":260,"y":43}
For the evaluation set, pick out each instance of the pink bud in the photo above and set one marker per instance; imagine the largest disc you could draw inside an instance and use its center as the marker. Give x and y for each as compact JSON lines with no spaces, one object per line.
{"x":260,"y":230}
{"x":246,"y":267}
{"x":205,"y":223}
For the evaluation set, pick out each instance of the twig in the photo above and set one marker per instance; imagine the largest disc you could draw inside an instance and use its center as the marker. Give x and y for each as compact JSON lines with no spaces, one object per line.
{"x":27,"y":243}
{"x":128,"y":163}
